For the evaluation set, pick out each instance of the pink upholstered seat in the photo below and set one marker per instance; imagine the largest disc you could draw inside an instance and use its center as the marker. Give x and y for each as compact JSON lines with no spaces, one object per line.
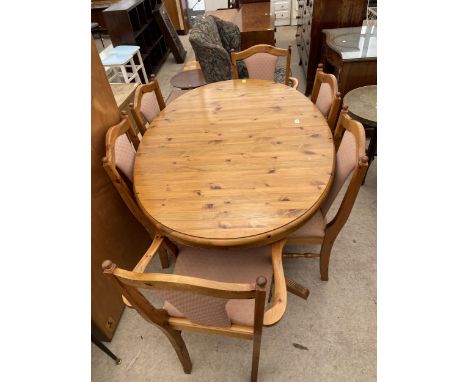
{"x":236,"y":266}
{"x":324,"y":99}
{"x":345,"y":163}
{"x":124,"y":156}
{"x":315,"y":227}
{"x":261,"y":66}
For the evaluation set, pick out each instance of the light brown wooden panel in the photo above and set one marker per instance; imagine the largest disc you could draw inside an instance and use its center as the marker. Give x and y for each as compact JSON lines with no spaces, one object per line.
{"x":115,"y":234}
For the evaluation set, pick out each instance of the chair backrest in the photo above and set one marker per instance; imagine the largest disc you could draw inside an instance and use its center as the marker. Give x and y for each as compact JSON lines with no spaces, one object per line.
{"x":325,"y":96}
{"x":351,"y":159}
{"x":206,"y":42}
{"x":261,"y":61}
{"x":204,"y":300}
{"x":147,"y":104}
{"x":229,"y":33}
{"x":119,"y":159}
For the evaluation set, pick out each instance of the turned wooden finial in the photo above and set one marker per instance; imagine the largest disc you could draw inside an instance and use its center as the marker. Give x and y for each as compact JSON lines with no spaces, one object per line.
{"x":108,"y":266}
{"x":261,"y":281}
{"x":152,"y":77}
{"x":344,"y":109}
{"x":131,"y":105}
{"x":363,"y":160}
{"x":338,"y":94}
{"x":320,"y":67}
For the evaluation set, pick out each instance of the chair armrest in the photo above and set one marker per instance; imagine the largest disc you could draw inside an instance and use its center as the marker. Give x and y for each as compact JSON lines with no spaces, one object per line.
{"x":145,"y":260}
{"x":148,"y":256}
{"x":280,"y":299}
{"x":294,"y":82}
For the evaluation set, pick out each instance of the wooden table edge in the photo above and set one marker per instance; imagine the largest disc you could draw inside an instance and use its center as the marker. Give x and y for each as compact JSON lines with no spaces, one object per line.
{"x":244,"y":241}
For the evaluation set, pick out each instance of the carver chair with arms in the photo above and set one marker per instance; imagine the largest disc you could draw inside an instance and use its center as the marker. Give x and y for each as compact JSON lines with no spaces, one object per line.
{"x":210,"y":291}
{"x":351,"y":161}
{"x":326,"y":97}
{"x":261,"y":63}
{"x":121,"y":145}
{"x":149,"y":102}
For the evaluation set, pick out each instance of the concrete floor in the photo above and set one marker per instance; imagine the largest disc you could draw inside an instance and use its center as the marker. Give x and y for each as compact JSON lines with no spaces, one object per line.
{"x":329,"y":337}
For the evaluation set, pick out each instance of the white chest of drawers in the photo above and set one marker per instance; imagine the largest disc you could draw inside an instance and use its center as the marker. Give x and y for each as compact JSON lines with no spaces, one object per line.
{"x":282,"y":11}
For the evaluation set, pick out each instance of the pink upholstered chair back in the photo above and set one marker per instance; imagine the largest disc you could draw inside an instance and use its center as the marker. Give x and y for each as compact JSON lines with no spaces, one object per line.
{"x":346,"y":161}
{"x":149,"y":106}
{"x":261,"y":66}
{"x":202,"y":310}
{"x":124,"y":156}
{"x":324,"y":99}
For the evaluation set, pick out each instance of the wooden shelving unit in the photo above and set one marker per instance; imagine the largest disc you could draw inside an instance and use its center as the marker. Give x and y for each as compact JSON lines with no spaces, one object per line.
{"x":131,"y":22}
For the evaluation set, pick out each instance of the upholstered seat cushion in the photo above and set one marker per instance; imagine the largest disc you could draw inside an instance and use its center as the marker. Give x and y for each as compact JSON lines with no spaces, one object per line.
{"x":236,"y":266}
{"x":315,"y":227}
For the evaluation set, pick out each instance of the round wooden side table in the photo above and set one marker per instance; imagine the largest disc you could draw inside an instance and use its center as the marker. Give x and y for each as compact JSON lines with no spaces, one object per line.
{"x":188,"y":79}
{"x":238,"y":163}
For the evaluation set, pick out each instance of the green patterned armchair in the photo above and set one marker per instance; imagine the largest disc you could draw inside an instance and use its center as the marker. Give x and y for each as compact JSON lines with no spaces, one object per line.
{"x":212,"y":40}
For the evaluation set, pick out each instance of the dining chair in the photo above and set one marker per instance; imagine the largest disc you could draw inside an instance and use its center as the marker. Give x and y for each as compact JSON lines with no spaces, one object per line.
{"x":149,"y":102}
{"x":210,"y":291}
{"x":325,"y":96}
{"x":351,"y":161}
{"x":121,"y":146}
{"x":261,"y":63}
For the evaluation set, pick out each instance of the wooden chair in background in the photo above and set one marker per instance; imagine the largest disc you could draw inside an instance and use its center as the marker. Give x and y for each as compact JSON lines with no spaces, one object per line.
{"x":149,"y":102}
{"x":121,"y":146}
{"x":351,"y":161}
{"x":261,"y":63}
{"x":326,"y":97}
{"x":226,"y":298}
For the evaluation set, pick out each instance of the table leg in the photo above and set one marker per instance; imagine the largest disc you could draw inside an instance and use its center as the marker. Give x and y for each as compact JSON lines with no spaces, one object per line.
{"x":104,"y":348}
{"x":371,"y":150}
{"x":295,"y":288}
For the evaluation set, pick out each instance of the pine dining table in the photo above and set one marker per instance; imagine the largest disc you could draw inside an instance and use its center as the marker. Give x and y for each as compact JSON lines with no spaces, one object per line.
{"x":237,"y":163}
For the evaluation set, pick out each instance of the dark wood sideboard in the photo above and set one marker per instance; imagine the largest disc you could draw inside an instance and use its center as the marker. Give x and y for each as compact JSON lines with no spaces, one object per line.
{"x":316,"y":15}
{"x":256,"y":23}
{"x":351,"y":55}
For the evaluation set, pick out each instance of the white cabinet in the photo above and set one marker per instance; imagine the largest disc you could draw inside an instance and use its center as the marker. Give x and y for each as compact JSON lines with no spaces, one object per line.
{"x":294,"y":11}
{"x":282,"y":11}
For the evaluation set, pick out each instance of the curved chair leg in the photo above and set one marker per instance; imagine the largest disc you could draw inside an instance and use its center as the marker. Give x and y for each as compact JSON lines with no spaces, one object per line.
{"x":163,"y":257}
{"x":178,"y":343}
{"x":325,"y":252}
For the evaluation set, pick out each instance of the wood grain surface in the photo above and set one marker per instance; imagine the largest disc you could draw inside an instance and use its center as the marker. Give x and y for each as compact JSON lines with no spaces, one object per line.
{"x":237,"y":163}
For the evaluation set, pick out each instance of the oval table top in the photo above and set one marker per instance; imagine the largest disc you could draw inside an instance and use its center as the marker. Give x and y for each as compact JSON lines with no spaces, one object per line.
{"x":237,"y":163}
